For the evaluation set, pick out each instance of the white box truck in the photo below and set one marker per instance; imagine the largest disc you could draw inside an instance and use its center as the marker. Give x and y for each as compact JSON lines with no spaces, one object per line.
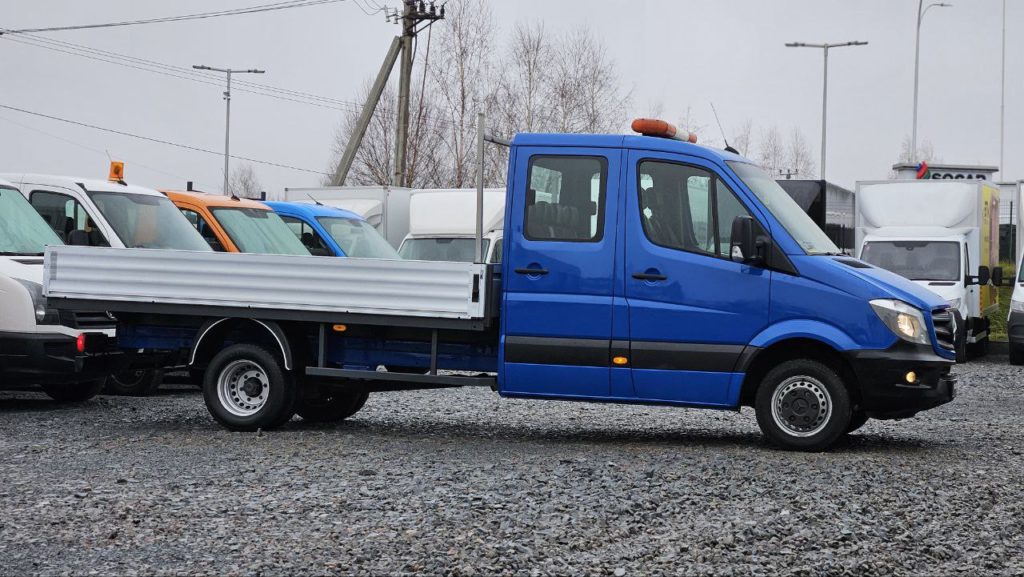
{"x":384,"y":207}
{"x":67,"y":354}
{"x":943,"y":235}
{"x":442,"y":225}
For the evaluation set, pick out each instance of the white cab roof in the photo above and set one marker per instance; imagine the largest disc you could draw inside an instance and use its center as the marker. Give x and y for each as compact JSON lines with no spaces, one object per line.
{"x":90,"y":184}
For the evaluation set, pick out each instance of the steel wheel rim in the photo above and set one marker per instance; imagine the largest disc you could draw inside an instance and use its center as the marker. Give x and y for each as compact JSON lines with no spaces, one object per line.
{"x":801,"y":406}
{"x":243,"y":388}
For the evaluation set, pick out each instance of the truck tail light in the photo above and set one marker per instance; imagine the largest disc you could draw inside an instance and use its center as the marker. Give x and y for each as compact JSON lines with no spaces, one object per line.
{"x":80,"y":343}
{"x":661,"y":129}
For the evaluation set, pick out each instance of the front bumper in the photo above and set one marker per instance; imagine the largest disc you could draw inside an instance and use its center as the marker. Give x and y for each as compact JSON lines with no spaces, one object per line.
{"x":884,"y":390}
{"x":47,"y":358}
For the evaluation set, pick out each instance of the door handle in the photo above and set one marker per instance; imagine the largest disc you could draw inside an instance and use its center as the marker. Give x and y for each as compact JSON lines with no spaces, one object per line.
{"x":649,"y":276}
{"x":532,"y":271}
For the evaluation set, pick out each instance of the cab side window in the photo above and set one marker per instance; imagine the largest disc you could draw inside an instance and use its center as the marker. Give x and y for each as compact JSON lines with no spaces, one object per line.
{"x":565,"y":198}
{"x":308,"y":236}
{"x":204,"y":228}
{"x":68,"y":218}
{"x":687,"y":208}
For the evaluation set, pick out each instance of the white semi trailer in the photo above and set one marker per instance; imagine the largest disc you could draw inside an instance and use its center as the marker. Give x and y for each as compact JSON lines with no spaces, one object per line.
{"x":942,"y":234}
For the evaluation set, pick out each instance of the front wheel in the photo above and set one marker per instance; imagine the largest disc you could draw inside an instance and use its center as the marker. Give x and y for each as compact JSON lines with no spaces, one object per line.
{"x":74,"y":392}
{"x":332,"y":407}
{"x":246,"y":388}
{"x":134,"y":383}
{"x":1016,"y":355}
{"x":802,"y":405}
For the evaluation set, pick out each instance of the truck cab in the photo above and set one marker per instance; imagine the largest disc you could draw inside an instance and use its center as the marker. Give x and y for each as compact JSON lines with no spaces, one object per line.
{"x":68,"y":355}
{"x":232,"y":224}
{"x":328,"y":231}
{"x":942,"y":235}
{"x":442,"y":225}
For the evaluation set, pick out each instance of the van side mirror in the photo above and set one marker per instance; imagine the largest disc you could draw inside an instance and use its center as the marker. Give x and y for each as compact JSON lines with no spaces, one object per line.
{"x":742,"y":246}
{"x":984,"y":275}
{"x":997,"y":276}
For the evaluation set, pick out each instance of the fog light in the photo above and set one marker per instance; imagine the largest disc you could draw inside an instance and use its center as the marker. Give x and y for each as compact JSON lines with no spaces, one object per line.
{"x":911,"y":377}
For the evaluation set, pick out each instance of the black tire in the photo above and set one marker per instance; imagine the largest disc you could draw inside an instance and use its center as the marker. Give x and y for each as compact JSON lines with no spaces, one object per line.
{"x":961,"y":350}
{"x":74,"y":392}
{"x":332,"y":407}
{"x":812,"y":397}
{"x":1016,"y":355}
{"x":252,"y":366}
{"x":134,"y":383}
{"x":857,"y":420}
{"x":978,"y":349}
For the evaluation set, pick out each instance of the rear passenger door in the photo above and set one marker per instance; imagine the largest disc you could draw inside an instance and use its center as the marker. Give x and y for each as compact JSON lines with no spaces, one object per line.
{"x":692,"y":310}
{"x":559,"y":273}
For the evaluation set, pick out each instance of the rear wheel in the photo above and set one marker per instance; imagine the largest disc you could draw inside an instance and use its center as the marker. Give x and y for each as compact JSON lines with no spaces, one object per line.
{"x":134,"y":383}
{"x":74,"y":392}
{"x":332,"y":407}
{"x":1016,"y":355}
{"x":802,"y":405}
{"x":246,"y":388}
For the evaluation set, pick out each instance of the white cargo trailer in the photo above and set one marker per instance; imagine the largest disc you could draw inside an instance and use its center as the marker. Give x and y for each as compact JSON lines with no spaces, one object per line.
{"x":942,"y":234}
{"x":442,"y":225}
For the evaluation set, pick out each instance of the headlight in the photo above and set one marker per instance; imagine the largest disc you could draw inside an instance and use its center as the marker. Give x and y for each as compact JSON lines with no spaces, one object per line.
{"x":954,"y":304}
{"x":905,"y":321}
{"x":1017,"y":306}
{"x":44,"y":315}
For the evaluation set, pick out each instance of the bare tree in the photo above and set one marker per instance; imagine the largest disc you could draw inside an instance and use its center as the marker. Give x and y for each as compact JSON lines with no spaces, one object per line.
{"x":925,"y":152}
{"x":243,"y":182}
{"x":584,"y":93}
{"x":743,"y":139}
{"x":798,"y":157}
{"x":771,"y":151}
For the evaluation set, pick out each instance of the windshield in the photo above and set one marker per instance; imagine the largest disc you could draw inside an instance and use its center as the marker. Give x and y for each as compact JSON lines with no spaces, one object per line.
{"x":259,"y":231}
{"x":145,"y":221}
{"x":22,"y":230}
{"x":446,"y":249}
{"x":915,"y":260}
{"x":357,"y":238}
{"x":796,"y":222}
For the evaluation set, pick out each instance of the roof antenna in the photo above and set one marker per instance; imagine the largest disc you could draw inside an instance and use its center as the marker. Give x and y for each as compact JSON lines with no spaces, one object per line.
{"x":315,"y":201}
{"x":722,"y":130}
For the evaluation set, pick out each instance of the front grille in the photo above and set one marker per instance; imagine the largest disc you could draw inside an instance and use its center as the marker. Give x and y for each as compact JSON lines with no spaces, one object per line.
{"x":93,"y":321}
{"x":945,"y":328}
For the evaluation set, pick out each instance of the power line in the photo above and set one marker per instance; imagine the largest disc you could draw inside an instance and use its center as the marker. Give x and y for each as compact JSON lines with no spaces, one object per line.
{"x":156,"y":140}
{"x":180,"y":18}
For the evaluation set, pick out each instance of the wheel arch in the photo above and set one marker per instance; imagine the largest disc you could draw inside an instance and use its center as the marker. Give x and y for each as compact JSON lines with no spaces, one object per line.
{"x":796,"y":347}
{"x":211,"y":336}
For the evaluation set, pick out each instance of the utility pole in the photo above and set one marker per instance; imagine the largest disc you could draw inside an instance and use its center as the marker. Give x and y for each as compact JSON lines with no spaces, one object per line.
{"x":227,"y":123}
{"x":824,"y":94}
{"x":413,"y":13}
{"x":917,"y":67}
{"x":1002,"y":108}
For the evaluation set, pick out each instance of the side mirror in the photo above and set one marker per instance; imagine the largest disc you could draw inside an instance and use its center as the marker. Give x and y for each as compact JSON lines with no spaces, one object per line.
{"x":997,"y":276}
{"x":984,"y":275}
{"x":742,"y":246}
{"x":78,"y":238}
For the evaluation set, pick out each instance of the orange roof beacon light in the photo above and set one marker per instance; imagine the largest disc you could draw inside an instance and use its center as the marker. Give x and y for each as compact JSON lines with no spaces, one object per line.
{"x":116,"y":172}
{"x":662,"y":129}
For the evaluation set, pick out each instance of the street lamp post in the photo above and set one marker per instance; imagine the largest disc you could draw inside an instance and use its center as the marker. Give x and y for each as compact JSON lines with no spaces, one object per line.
{"x":824,"y":95}
{"x":917,"y":61}
{"x":227,"y":123}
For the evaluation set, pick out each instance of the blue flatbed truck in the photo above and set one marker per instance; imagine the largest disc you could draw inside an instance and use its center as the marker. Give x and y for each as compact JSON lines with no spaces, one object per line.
{"x":639,"y":269}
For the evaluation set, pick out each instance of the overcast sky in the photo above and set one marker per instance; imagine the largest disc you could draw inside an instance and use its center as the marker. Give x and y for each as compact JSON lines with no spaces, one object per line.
{"x":678,"y":53}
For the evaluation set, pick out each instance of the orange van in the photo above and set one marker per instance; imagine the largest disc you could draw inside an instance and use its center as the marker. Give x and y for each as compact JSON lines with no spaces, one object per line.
{"x":236,"y":224}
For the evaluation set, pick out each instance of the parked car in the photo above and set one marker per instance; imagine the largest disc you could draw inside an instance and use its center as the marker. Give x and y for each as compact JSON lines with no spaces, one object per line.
{"x":231,"y":224}
{"x":68,"y":355}
{"x":328,"y":231}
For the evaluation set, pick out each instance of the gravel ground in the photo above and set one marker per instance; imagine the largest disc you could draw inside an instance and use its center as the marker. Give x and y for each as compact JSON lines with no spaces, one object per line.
{"x":463,"y":482}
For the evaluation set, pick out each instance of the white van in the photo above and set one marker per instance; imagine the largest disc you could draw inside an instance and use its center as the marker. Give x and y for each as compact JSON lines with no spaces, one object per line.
{"x":69,"y":356}
{"x":92,"y":212}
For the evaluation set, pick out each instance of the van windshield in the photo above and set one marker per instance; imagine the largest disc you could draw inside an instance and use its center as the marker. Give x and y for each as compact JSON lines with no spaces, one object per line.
{"x":22,"y":231}
{"x":147,"y":221}
{"x":357,"y":238}
{"x":793,"y":218}
{"x":259,"y":231}
{"x":915,"y":260}
{"x":443,"y":249}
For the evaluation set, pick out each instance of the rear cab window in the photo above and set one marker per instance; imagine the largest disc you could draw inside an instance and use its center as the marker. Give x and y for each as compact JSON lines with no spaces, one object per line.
{"x":565,"y":198}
